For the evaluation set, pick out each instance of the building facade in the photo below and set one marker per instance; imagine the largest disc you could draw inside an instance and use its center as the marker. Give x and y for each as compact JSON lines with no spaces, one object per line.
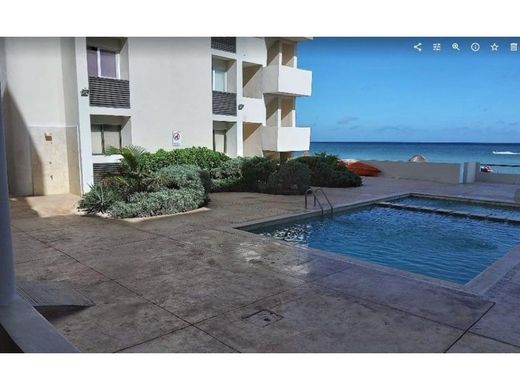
{"x":66,"y":100}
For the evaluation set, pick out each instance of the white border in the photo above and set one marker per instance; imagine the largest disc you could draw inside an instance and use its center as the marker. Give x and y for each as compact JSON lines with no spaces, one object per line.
{"x":267,"y":18}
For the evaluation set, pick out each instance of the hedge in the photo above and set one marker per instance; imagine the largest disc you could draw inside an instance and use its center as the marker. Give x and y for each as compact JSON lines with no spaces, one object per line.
{"x":168,"y":201}
{"x":202,"y":157}
{"x":328,"y":171}
{"x":290,"y":179}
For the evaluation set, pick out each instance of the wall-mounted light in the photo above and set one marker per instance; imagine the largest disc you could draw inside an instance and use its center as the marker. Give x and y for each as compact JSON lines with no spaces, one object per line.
{"x":240,"y":106}
{"x":85,"y":92}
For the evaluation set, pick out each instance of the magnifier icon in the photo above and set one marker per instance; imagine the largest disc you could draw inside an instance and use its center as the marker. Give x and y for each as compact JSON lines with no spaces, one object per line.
{"x":455,"y":46}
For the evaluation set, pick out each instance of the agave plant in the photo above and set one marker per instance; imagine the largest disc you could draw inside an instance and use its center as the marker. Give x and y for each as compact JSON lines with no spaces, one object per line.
{"x":99,"y":199}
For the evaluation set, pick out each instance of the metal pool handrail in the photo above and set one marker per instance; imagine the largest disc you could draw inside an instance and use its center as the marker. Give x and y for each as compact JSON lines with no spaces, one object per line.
{"x":310,"y":191}
{"x":314,"y":194}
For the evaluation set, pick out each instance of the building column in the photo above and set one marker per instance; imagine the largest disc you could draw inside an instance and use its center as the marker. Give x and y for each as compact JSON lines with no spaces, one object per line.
{"x":240,"y":138}
{"x":84,"y":136}
{"x":240,"y":120}
{"x":7,"y":278}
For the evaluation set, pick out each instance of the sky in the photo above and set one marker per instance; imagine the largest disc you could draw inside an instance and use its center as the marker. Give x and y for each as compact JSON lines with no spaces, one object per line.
{"x":384,"y":90}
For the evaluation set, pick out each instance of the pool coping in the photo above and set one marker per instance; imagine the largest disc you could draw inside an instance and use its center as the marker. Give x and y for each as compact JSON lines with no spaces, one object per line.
{"x":478,"y":285}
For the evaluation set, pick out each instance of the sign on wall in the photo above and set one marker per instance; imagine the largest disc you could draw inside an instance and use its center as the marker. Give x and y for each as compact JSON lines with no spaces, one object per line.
{"x":176,"y":139}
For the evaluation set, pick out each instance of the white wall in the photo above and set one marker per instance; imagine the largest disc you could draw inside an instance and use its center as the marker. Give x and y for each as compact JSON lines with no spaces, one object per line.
{"x":70,"y":99}
{"x":252,"y":135}
{"x":84,"y":136}
{"x":170,"y":89}
{"x":285,"y":80}
{"x":285,"y":139}
{"x":253,"y":110}
{"x":503,"y":178}
{"x":38,"y":98}
{"x":471,"y":170}
{"x":50,"y":159}
{"x":437,"y":172}
{"x":252,"y":49}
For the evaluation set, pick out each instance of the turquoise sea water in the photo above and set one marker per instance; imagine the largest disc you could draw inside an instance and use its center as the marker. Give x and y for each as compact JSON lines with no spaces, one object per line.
{"x":451,"y":248}
{"x":434,"y":152}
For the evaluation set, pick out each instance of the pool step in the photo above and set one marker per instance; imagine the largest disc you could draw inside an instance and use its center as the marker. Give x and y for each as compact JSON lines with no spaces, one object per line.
{"x":465,"y":214}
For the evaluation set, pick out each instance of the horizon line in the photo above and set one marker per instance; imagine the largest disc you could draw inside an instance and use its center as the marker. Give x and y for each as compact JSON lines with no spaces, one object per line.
{"x":417,"y":142}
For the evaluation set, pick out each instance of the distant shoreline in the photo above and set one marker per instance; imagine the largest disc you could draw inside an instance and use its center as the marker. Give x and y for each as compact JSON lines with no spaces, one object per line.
{"x":499,"y":154}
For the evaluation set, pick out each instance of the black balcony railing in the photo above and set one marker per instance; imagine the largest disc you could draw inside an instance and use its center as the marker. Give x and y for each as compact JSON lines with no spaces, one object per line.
{"x":102,"y":170}
{"x":224,"y":43}
{"x":224,"y":103}
{"x":106,"y":92}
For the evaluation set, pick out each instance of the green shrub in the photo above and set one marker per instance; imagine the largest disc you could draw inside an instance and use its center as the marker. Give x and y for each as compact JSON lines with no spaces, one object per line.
{"x":231,"y":168}
{"x":318,"y":159}
{"x":325,"y":176}
{"x":291,"y":178}
{"x":205,"y":178}
{"x":228,"y":185}
{"x":328,"y":171}
{"x":167,"y":201}
{"x":256,"y":172}
{"x":228,"y":177}
{"x":181,"y":176}
{"x":99,"y":199}
{"x":202,"y":157}
{"x":338,"y":179}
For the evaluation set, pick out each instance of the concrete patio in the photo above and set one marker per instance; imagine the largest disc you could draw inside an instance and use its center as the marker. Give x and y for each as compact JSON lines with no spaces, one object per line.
{"x":191,"y":283}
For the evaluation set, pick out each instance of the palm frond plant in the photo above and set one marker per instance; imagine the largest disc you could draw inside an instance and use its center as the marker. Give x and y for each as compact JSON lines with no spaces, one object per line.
{"x":134,"y":175}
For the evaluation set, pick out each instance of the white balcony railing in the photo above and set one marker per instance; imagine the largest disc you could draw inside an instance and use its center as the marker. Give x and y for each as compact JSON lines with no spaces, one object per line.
{"x":286,"y":80}
{"x":286,"y":139}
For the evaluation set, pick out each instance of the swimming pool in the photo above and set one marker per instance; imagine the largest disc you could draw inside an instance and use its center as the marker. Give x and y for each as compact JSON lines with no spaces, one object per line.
{"x":477,"y":207}
{"x":448,"y":247}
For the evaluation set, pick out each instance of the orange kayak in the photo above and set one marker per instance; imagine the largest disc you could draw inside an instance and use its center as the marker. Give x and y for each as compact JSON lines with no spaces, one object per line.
{"x":362,"y":169}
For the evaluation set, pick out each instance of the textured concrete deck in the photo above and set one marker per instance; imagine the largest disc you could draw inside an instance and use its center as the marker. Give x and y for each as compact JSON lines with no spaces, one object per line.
{"x":190,"y":283}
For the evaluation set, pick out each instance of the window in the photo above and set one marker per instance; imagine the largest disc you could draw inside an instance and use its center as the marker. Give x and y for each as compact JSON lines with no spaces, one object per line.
{"x":219,"y":77}
{"x":102,"y":63}
{"x":219,"y":141}
{"x":105,"y":136}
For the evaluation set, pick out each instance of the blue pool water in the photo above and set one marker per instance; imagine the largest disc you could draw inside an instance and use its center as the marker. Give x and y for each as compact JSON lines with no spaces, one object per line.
{"x":475,"y":208}
{"x":446,"y":247}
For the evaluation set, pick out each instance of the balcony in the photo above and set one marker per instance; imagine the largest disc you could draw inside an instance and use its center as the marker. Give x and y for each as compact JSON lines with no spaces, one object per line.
{"x":286,"y":80}
{"x":106,"y":92}
{"x":228,"y":44}
{"x":224,"y":103}
{"x":254,"y":110}
{"x":286,"y":139}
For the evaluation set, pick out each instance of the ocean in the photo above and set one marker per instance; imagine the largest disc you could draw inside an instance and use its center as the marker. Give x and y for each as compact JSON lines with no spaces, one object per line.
{"x":486,"y":154}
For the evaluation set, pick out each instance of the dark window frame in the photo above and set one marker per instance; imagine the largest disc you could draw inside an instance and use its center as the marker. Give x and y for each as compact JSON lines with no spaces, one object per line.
{"x":102,"y":131}
{"x":98,"y":51}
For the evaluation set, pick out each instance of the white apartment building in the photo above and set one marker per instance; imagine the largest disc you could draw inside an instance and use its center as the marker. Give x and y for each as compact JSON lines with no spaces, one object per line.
{"x":65,"y":100}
